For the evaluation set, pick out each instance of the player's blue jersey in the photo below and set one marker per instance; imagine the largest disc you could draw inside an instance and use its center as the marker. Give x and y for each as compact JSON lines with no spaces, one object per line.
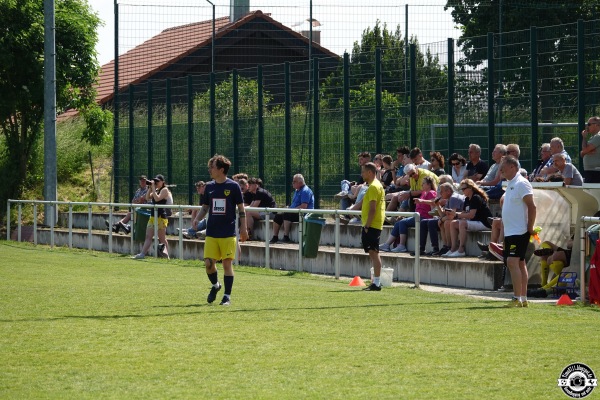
{"x":222,"y":200}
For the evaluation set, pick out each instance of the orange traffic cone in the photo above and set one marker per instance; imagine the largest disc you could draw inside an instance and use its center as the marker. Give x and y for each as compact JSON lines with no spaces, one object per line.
{"x":564,"y":300}
{"x":357,"y":281}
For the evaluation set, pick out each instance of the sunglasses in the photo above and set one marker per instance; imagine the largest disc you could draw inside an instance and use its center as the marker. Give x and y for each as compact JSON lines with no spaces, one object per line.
{"x":466,"y":187}
{"x":455,"y":163}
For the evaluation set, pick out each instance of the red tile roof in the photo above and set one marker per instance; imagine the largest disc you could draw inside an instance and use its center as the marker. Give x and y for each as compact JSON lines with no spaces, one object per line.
{"x":172,"y":45}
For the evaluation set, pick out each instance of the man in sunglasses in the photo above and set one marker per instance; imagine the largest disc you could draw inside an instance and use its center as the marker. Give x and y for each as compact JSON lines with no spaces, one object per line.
{"x":591,"y":156}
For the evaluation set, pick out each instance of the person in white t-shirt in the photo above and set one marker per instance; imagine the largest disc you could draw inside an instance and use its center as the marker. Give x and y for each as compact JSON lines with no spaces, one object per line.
{"x":518,"y":217}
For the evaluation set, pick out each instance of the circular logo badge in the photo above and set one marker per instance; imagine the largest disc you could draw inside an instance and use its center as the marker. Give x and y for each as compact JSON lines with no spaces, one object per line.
{"x":577,"y":380}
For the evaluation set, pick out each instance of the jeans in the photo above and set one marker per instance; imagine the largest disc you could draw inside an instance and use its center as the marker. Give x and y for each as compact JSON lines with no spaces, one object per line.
{"x":429,"y":225}
{"x":201,"y":226}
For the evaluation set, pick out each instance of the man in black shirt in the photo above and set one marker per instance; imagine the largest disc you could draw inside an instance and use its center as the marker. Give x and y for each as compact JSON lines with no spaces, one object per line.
{"x":260,"y":198}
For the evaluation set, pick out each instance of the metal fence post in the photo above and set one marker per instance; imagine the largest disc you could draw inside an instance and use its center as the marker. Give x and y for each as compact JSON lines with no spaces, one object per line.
{"x":288,"y":130}
{"x":317,"y":135}
{"x":169,"y":133}
{"x":580,"y":83}
{"x":261,"y":123}
{"x":533,"y":67}
{"x":236,"y":122}
{"x":451,"y":94}
{"x":131,"y":139}
{"x":213,"y":115}
{"x":190,"y":132}
{"x":346,"y":115}
{"x":413,"y":95}
{"x":150,"y":141}
{"x":378,"y":110}
{"x":491,"y":99}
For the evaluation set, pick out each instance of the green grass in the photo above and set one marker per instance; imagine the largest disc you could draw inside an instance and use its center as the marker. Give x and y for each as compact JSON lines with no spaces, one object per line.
{"x":75,"y":324}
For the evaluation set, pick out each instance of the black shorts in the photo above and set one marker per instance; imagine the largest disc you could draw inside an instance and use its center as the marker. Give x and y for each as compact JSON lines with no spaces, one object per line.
{"x":279,"y":218}
{"x":516,"y":245}
{"x":370,"y":239}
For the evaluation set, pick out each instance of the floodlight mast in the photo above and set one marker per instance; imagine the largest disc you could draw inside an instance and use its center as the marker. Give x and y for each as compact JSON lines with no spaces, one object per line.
{"x":212,"y":43}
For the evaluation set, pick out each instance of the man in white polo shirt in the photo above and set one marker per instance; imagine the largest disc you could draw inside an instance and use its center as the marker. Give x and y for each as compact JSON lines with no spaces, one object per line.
{"x":518,"y":217}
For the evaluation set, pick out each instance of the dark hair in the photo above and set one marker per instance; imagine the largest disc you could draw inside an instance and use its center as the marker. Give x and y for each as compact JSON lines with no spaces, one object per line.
{"x":256,"y":181}
{"x":476,"y":189}
{"x":414,"y":152}
{"x":200,"y":183}
{"x":387,"y":159}
{"x":370,"y":167}
{"x":219,"y":162}
{"x":439,"y":157}
{"x":456,"y":156}
{"x":365,"y":154}
{"x":403,"y":149}
{"x":431,"y":182}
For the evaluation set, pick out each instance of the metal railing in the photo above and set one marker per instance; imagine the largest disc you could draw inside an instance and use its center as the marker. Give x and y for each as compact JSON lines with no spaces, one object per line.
{"x":52,"y":205}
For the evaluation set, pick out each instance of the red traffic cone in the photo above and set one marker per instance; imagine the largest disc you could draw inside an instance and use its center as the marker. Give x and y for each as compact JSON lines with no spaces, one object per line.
{"x":357,"y":281}
{"x":564,"y":300}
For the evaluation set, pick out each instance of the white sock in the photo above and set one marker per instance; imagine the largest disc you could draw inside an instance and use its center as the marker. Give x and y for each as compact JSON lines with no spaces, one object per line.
{"x":523,"y":298}
{"x":376,"y":281}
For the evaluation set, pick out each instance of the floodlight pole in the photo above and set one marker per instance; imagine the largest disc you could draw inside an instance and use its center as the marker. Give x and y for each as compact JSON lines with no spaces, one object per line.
{"x":49,"y":113}
{"x":212,"y":44}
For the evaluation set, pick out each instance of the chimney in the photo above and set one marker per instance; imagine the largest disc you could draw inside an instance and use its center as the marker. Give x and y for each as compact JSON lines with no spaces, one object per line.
{"x":237,"y":9}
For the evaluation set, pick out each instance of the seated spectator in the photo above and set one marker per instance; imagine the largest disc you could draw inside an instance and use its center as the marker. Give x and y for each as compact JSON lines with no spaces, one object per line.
{"x":303,"y":199}
{"x":400,"y":231}
{"x":139,"y":197}
{"x":555,"y":259}
{"x":492,"y":182}
{"x":571,"y":175}
{"x":436,"y":163}
{"x":350,"y":190}
{"x":545,"y":154}
{"x":448,"y":198}
{"x":416,"y":157}
{"x":402,"y":199}
{"x":377,"y":160}
{"x":261,"y":198}
{"x":401,"y":160}
{"x":556,"y":147}
{"x":196,"y":226}
{"x":473,"y":218}
{"x":476,"y":167}
{"x":514,"y":150}
{"x":388,"y":174}
{"x":459,"y":167}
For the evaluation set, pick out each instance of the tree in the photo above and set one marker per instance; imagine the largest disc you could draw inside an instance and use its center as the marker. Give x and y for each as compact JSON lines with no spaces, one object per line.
{"x":558,"y":66}
{"x":22,"y":78}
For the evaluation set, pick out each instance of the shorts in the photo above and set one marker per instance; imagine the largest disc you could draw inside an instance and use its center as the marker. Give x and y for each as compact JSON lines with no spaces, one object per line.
{"x":162,"y":223}
{"x":516,"y":245}
{"x":476,"y":226}
{"x":220,"y":248}
{"x":370,"y":239}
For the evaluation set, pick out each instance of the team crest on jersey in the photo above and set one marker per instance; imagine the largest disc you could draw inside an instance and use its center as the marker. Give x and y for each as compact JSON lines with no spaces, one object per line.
{"x":227,"y":192}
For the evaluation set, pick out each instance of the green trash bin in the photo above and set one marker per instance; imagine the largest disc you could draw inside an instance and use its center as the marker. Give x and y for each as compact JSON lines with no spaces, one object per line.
{"x":312,"y":235}
{"x":142,"y":215}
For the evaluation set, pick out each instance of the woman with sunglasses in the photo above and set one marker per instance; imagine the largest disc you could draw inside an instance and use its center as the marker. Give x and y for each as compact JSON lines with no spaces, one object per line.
{"x":400,"y":230}
{"x":157,"y":194}
{"x":436,"y":163}
{"x":459,"y":167}
{"x":474,"y":217}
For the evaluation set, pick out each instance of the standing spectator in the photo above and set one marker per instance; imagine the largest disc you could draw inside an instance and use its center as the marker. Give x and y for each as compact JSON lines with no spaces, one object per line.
{"x":591,"y":156}
{"x":459,"y":167}
{"x":474,"y":217}
{"x":139,"y":197}
{"x":436,"y":163}
{"x":476,"y":167}
{"x":400,"y":229}
{"x":545,"y":154}
{"x":303,"y":199}
{"x":372,"y":214}
{"x":518,"y":217}
{"x":261,"y":198}
{"x":158,"y":193}
{"x":222,"y":196}
{"x":570,"y":174}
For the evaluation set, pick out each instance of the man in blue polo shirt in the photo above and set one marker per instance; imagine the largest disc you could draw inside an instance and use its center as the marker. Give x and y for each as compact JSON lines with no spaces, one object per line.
{"x":303,"y":199}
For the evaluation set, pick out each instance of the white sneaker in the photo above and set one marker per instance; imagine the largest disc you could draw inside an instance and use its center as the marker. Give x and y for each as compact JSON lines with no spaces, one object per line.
{"x":385,"y":247}
{"x":138,"y":256}
{"x":355,"y":221}
{"x":201,"y":234}
{"x":400,"y":249}
{"x":449,"y":253}
{"x":456,"y":254}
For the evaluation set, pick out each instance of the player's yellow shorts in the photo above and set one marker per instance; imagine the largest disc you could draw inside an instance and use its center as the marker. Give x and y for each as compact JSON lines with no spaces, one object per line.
{"x":162,"y":223}
{"x":220,"y":248}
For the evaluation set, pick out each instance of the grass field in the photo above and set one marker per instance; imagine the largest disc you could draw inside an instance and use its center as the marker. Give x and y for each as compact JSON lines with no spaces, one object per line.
{"x":75,"y":324}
